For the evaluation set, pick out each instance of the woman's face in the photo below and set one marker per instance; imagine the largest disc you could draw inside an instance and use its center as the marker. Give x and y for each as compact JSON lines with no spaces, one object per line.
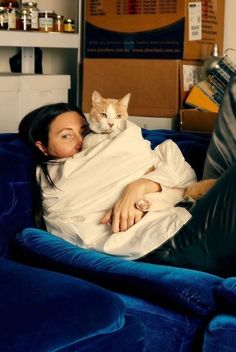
{"x":65,"y":136}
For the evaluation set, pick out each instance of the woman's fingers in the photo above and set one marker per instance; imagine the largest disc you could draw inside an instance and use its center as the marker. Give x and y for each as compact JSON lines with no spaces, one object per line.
{"x":138,"y":215}
{"x":106,"y":218}
{"x":123,"y":221}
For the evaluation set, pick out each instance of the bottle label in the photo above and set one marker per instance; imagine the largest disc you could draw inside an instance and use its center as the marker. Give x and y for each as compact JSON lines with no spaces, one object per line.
{"x":12,"y":19}
{"x":46,"y":24}
{"x":34,"y":20}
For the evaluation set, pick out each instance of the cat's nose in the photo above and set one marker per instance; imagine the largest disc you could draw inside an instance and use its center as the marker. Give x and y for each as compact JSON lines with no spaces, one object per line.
{"x":111,"y":124}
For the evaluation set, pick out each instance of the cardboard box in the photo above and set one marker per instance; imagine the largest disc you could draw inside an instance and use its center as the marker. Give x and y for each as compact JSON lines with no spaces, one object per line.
{"x":190,"y":72}
{"x":192,"y":120}
{"x":9,"y":103}
{"x":167,"y":29}
{"x":19,"y":94}
{"x":38,"y":90}
{"x":154,"y":84}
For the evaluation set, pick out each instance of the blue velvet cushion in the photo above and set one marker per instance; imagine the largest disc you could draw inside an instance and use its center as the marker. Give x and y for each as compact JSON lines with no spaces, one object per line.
{"x":176,"y":331}
{"x":226,"y":292}
{"x":15,"y":189}
{"x":220,"y":336}
{"x":176,"y":287}
{"x":45,"y":311}
{"x":130,"y":338}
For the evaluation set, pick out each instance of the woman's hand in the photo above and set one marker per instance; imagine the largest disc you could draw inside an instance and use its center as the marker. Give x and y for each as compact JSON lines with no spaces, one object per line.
{"x":124,"y":213}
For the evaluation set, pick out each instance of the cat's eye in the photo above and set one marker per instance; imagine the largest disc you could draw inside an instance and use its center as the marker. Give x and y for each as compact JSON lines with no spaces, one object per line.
{"x":118,"y":116}
{"x":103,"y":114}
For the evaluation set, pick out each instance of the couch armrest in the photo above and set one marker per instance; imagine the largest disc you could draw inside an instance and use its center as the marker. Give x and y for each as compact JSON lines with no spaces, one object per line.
{"x":179,"y":288}
{"x":46,"y":311}
{"x":220,"y":334}
{"x":226,"y":292}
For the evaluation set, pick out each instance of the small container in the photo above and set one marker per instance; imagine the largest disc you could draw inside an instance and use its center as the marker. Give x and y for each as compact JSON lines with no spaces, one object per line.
{"x":58,"y":23}
{"x":3,"y":18}
{"x":13,"y":15}
{"x":25,"y":23}
{"x":69,"y":25}
{"x":32,"y":14}
{"x":46,"y":21}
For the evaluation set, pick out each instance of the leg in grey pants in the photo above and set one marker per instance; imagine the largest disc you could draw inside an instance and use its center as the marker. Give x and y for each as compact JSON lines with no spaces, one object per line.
{"x":208,"y":241}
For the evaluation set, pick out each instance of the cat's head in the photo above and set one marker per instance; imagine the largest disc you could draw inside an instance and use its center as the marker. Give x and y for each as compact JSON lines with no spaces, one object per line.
{"x":106,"y":114}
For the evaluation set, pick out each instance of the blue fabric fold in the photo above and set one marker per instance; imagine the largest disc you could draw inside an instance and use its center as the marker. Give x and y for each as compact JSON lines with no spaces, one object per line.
{"x":180,"y":288}
{"x":45,"y":311}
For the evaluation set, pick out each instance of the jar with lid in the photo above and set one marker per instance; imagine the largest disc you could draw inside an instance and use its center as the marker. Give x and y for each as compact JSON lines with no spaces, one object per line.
{"x":58,"y":23}
{"x":69,"y":26}
{"x":46,"y":21}
{"x":3,"y":17}
{"x":29,"y":16}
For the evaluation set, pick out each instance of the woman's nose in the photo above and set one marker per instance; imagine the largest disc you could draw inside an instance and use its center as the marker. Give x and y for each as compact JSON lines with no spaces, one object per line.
{"x":78,"y":142}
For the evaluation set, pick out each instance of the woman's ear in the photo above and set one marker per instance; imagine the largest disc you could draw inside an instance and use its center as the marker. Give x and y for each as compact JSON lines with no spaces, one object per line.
{"x":41,"y":147}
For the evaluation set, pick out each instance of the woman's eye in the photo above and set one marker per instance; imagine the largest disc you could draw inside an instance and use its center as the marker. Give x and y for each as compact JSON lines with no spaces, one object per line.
{"x":67,"y":136}
{"x":103,"y":114}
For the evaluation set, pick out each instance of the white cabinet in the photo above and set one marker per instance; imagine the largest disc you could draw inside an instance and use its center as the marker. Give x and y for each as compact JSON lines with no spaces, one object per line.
{"x":61,"y":52}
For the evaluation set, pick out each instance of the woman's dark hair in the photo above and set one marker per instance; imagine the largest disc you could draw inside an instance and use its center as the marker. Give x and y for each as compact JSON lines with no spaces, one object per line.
{"x":35,"y":127}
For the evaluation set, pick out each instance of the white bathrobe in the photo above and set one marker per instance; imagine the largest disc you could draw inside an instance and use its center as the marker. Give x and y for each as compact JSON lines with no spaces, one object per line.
{"x":89,"y":183}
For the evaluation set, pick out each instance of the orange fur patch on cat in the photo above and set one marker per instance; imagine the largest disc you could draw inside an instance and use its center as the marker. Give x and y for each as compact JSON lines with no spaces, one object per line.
{"x":198,"y":189}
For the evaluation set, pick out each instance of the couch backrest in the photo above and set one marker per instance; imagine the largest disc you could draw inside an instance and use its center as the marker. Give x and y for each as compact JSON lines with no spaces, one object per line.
{"x":15,"y":189}
{"x":193,"y":145}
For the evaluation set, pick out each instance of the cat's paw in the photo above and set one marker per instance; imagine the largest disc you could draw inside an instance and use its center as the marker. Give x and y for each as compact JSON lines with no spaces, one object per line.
{"x":198,"y":189}
{"x":142,"y":205}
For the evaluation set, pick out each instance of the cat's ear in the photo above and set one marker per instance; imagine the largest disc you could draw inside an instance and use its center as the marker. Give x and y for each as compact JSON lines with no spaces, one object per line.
{"x":96,"y":98}
{"x":125,"y":100}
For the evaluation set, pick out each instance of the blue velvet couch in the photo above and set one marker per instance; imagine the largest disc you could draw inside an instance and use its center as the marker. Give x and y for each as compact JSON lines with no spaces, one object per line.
{"x":58,"y":297}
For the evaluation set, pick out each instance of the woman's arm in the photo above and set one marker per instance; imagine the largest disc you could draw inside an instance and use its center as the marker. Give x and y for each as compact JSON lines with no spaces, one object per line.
{"x":124,"y":213}
{"x":171,"y":171}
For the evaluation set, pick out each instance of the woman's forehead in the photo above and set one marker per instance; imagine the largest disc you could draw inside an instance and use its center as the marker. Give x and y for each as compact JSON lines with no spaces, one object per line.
{"x":67,"y":119}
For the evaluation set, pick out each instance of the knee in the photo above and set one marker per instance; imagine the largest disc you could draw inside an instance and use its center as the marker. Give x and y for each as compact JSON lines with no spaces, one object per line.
{"x":232,"y":87}
{"x":228,"y":177}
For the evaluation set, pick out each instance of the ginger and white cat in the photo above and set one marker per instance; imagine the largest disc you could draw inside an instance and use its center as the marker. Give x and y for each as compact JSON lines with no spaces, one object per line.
{"x":106,"y":120}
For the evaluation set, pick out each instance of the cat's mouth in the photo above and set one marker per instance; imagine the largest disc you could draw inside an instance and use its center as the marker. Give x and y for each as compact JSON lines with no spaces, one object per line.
{"x":108,"y":131}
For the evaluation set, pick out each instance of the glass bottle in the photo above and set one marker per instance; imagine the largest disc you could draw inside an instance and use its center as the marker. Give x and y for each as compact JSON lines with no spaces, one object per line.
{"x":13,"y":15}
{"x":3,"y":17}
{"x":24,"y":20}
{"x":58,"y":23}
{"x":32,"y":14}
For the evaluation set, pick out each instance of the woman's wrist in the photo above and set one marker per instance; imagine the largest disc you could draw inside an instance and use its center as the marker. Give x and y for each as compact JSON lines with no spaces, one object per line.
{"x":148,"y":186}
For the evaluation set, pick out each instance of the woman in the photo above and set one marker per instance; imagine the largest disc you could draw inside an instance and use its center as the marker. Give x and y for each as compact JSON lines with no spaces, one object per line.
{"x":207,"y":241}
{"x":79,"y":187}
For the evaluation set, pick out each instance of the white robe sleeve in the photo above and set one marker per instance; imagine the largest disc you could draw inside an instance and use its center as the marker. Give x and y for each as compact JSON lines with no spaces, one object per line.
{"x":171,"y":169}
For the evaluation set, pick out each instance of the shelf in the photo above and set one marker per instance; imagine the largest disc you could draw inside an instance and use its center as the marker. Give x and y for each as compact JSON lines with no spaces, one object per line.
{"x":39,"y":39}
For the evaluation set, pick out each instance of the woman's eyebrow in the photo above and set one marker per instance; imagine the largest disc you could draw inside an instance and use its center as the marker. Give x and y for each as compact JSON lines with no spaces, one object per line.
{"x":65,"y":129}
